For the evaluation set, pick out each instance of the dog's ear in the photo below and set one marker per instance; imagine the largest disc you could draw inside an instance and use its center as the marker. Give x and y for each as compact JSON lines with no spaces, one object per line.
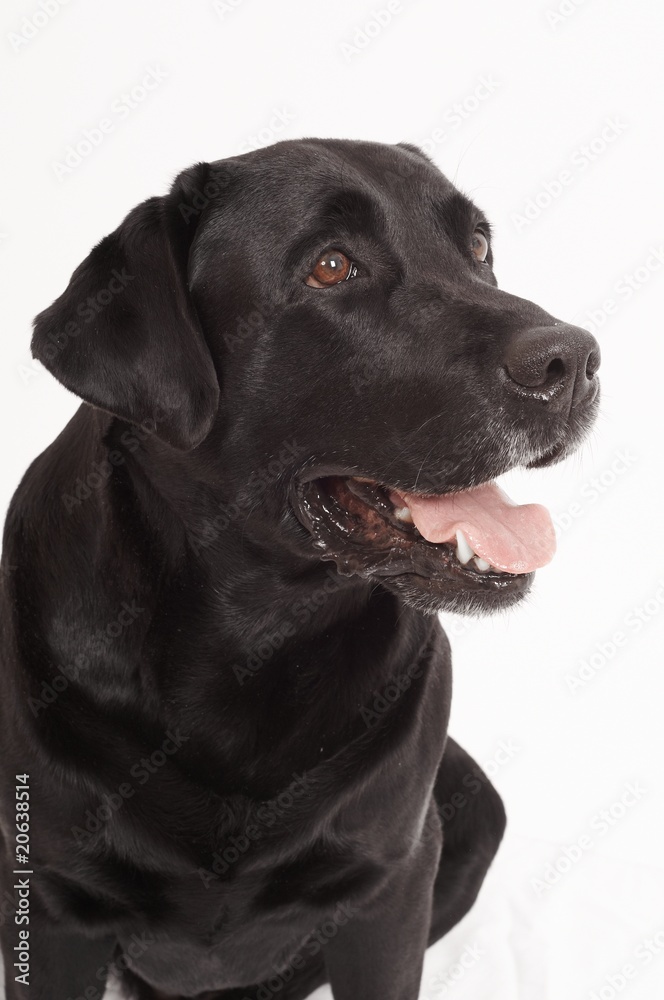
{"x":124,"y":336}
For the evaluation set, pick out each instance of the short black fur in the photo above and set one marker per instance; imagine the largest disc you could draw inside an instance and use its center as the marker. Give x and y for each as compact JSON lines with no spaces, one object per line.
{"x":236,"y":732}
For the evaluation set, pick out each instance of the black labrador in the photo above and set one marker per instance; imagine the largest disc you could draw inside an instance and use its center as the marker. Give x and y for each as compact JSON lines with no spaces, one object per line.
{"x":225,"y":691}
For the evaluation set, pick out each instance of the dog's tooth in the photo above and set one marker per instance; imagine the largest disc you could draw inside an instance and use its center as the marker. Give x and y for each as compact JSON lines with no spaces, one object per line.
{"x":404,"y":514}
{"x":464,"y":553}
{"x":482,"y":564}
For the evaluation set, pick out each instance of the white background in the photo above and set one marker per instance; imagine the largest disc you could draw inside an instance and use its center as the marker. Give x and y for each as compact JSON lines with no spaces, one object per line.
{"x":555,"y":82}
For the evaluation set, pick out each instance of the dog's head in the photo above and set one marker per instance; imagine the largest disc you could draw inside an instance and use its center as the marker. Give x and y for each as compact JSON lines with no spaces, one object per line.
{"x":320,"y":322}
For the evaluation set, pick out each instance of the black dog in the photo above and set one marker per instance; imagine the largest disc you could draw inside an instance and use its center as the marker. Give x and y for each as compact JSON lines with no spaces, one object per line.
{"x":224,"y":692}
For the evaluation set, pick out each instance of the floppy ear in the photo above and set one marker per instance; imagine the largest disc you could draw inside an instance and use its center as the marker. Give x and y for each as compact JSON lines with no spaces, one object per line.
{"x":124,"y":336}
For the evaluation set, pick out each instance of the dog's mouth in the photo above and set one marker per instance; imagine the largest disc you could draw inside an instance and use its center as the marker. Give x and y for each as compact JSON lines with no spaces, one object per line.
{"x":474,"y":542}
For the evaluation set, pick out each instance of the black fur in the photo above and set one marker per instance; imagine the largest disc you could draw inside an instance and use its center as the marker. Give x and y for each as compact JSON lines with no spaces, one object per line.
{"x":235,"y":727}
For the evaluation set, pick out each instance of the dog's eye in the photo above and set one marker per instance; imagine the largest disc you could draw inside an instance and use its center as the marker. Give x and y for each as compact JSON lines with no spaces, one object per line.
{"x":479,"y":245}
{"x":333,"y":267}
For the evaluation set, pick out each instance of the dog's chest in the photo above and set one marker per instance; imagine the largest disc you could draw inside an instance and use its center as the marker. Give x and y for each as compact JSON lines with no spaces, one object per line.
{"x":330,"y":831}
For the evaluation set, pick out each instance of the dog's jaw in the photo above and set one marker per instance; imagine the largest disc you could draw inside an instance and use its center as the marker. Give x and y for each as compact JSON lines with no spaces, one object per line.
{"x":356,"y":527}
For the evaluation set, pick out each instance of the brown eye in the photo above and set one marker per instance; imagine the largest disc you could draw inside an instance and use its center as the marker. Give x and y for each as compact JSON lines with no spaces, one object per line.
{"x":479,"y":245}
{"x":332,"y":268}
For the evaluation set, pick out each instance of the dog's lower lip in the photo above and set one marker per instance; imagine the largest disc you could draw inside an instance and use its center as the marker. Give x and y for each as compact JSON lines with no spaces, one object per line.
{"x":548,"y":458}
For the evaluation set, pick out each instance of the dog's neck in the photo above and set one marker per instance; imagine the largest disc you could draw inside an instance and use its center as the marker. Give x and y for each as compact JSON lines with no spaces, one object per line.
{"x":254,"y":630}
{"x":238,"y":624}
{"x":253,"y":587}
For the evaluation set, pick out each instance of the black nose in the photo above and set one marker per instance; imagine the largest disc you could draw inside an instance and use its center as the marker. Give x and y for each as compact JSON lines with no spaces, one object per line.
{"x":553,"y":364}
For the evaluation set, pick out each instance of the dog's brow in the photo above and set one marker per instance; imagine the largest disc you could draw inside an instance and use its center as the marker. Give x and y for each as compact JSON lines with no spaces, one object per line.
{"x":350,"y":208}
{"x":348,"y":212}
{"x":458,"y":215}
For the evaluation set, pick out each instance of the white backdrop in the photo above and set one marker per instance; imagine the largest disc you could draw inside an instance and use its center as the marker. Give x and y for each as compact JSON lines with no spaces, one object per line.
{"x":546,"y":113}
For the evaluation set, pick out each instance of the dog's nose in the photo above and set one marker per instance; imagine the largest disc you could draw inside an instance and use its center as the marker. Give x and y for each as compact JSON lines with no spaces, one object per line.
{"x":553,"y":364}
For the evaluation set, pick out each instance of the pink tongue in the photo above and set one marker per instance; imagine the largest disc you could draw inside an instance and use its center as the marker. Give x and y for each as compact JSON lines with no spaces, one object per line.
{"x":515,"y":539}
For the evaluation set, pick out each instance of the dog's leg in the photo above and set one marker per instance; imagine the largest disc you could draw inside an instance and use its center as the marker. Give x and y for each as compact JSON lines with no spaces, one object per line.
{"x":473,"y":820}
{"x":383,"y":959}
{"x":378,"y":954}
{"x":291,"y":984}
{"x":61,"y":965}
